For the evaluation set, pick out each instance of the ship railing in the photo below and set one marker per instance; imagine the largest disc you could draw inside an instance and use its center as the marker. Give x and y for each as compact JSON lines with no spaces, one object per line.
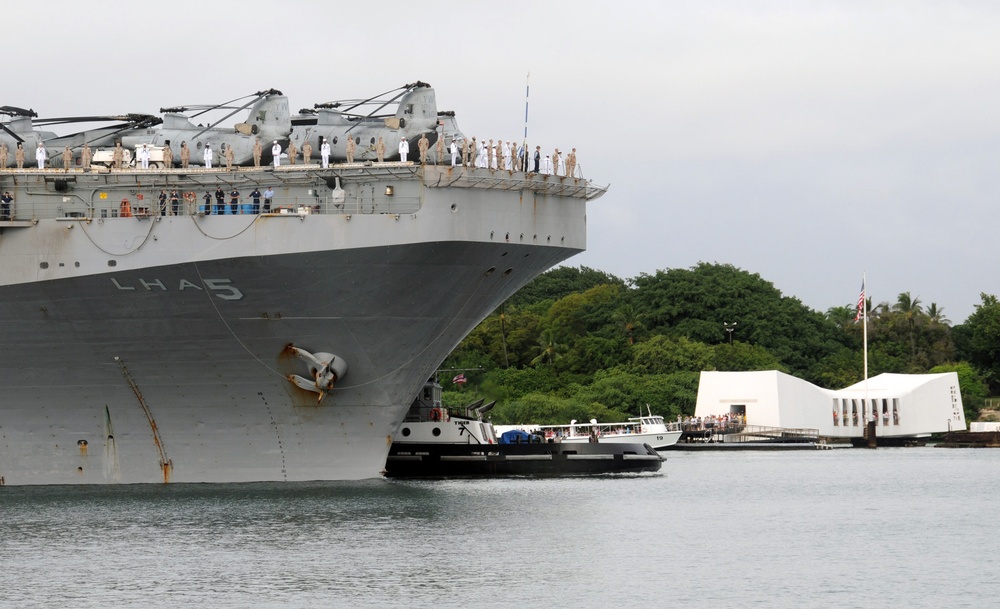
{"x":498,"y":179}
{"x":738,"y":433}
{"x":372,"y":188}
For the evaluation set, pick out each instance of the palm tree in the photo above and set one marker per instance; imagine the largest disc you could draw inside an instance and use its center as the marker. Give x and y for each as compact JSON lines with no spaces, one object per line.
{"x":551,"y":348}
{"x":909,"y":307}
{"x":936,"y":314}
{"x":629,"y":320}
{"x":842,"y":316}
{"x":503,"y":336}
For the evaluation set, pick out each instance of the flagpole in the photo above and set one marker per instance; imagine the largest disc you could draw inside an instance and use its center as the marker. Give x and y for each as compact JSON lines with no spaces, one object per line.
{"x":524,"y":144}
{"x":864,"y":307}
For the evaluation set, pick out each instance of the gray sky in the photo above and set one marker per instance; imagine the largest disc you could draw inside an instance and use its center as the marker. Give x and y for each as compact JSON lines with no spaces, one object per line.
{"x":803,"y":141}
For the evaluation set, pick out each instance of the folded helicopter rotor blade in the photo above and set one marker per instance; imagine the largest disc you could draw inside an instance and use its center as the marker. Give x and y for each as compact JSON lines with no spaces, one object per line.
{"x":212,"y":125}
{"x":11,"y":133}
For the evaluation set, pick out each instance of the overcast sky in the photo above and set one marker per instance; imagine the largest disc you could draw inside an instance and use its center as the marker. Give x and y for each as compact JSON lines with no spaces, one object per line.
{"x":803,"y":141}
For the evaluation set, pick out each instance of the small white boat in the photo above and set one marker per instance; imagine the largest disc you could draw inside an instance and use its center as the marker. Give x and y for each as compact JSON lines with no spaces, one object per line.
{"x":650,"y":429}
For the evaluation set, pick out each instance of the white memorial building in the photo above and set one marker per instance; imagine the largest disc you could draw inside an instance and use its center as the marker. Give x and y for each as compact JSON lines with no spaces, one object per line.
{"x":902,"y":404}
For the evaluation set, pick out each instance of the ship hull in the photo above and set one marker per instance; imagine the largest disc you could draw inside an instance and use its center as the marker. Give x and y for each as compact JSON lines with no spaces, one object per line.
{"x":160,"y":349}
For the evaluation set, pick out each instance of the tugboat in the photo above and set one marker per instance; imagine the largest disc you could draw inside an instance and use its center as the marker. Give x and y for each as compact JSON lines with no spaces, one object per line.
{"x":433,"y":442}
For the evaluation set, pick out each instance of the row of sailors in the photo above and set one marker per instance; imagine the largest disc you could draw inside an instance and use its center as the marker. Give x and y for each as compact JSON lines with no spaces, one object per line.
{"x":144,"y":155}
{"x":502,"y":155}
{"x":510,"y":157}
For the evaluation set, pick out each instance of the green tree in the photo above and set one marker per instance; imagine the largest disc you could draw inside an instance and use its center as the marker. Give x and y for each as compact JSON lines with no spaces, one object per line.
{"x":971,"y":385}
{"x":629,"y":320}
{"x":695,"y":303}
{"x":663,"y":355}
{"x":912,"y":313}
{"x":981,"y":340}
{"x":551,"y":348}
{"x":935,"y":314}
{"x":740,"y":356}
{"x":668,"y":395}
{"x":561,"y":282}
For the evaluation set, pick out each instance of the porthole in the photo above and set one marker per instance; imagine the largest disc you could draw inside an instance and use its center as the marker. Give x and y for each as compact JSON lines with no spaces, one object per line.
{"x":405,"y":431}
{"x":436,"y":432}
{"x":508,"y":272}
{"x":112,"y":263}
{"x":454,"y":207}
{"x":44,"y":265}
{"x":490,"y":270}
{"x":77,"y":264}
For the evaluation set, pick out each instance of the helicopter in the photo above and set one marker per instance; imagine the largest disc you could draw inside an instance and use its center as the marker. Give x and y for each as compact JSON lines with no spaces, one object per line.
{"x":20,"y":129}
{"x":416,"y":114}
{"x":268,"y":121}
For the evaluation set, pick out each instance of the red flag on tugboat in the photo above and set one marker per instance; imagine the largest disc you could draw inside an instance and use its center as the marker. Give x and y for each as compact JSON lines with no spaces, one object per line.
{"x":459,"y":379}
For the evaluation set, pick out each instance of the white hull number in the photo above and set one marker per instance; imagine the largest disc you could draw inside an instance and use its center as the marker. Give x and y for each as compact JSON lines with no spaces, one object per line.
{"x":221,"y":287}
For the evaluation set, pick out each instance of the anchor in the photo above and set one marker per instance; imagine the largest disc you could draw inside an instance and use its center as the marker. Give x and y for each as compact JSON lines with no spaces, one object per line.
{"x":325,"y":368}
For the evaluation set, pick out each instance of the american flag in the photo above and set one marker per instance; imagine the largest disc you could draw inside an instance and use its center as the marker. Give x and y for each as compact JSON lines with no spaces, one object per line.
{"x":459,"y":379}
{"x":861,"y":302}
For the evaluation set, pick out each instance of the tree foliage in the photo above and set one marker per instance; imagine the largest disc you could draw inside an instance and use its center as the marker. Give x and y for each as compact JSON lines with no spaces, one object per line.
{"x":582,"y":344}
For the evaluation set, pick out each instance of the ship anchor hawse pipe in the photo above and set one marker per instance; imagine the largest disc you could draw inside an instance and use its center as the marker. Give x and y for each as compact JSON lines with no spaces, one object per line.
{"x":325,"y":368}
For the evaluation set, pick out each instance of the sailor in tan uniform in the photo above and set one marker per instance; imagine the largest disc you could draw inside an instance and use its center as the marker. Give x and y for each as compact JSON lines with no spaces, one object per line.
{"x":422,"y":145}
{"x":185,"y":155}
{"x":86,"y":156}
{"x":230,"y":157}
{"x":380,"y":150}
{"x":67,"y":158}
{"x":19,"y":156}
{"x":257,"y":151}
{"x":307,"y":152}
{"x":168,"y":156}
{"x":292,"y":151}
{"x":349,"y":149}
{"x":3,"y":156}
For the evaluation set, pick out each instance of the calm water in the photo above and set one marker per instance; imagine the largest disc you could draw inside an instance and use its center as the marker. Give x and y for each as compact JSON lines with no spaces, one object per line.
{"x":844,"y":528}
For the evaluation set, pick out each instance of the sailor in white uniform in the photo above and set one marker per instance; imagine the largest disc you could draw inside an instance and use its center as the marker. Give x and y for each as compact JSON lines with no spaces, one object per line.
{"x":481,"y":158}
{"x":208,"y":156}
{"x":40,"y":155}
{"x":324,"y":151}
{"x":561,"y":169}
{"x":144,"y":157}
{"x":404,"y":149}
{"x":454,"y":153}
{"x":547,"y":165}
{"x":276,"y":153}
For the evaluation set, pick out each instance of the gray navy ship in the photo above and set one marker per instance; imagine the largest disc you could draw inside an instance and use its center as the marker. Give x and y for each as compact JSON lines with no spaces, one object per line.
{"x":144,"y":344}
